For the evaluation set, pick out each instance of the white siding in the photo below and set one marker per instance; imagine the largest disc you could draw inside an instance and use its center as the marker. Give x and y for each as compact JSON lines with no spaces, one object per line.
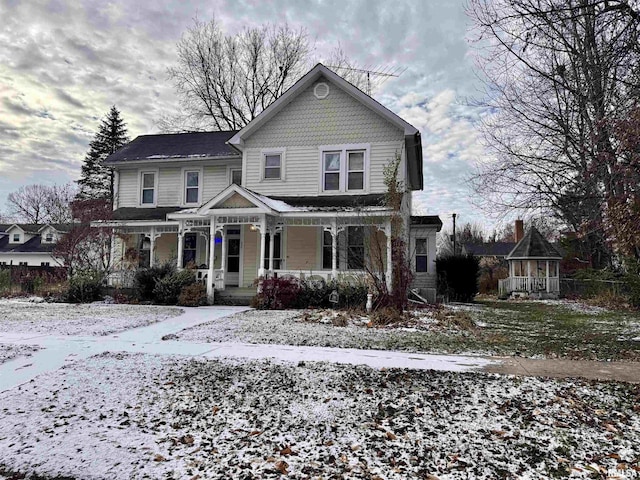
{"x":128,"y":188}
{"x":308,"y":123}
{"x":170,"y":182}
{"x":337,"y":119}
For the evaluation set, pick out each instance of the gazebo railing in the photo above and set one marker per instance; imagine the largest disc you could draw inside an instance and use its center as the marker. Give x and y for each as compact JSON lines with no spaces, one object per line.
{"x":528,"y":284}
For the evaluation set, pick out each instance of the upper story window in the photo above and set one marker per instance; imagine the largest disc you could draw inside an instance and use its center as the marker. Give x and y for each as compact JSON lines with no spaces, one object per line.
{"x":192,"y":184}
{"x":148,"y":190}
{"x":273,"y":166}
{"x":48,"y":238}
{"x":16,"y":238}
{"x":236,"y":177}
{"x":343,"y":169}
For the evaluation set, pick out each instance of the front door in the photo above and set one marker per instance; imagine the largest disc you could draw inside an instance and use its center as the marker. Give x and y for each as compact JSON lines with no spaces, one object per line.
{"x":232,"y":273}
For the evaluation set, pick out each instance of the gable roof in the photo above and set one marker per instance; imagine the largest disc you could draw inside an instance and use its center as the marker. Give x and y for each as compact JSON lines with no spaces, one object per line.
{"x":534,"y":245}
{"x":433,"y":220}
{"x":34,"y":228}
{"x":307,"y":80}
{"x":33,"y":245}
{"x":175,"y":146}
{"x":492,"y":249}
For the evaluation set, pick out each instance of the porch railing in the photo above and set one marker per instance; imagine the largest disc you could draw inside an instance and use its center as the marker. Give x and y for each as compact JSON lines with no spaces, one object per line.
{"x":528,"y":284}
{"x":202,"y":275}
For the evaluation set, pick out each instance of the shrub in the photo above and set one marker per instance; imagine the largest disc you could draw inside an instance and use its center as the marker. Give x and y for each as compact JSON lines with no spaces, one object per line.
{"x":84,"y":287}
{"x":277,"y":293}
{"x":5,"y":281}
{"x":193,"y":295}
{"x":458,"y":277}
{"x":145,"y":279}
{"x":168,"y":288}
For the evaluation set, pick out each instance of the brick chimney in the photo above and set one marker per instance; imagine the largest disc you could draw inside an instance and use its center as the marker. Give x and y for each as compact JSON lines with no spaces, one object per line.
{"x":519,"y":230}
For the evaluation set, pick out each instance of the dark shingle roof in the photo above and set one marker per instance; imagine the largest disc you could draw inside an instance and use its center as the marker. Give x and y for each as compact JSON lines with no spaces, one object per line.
{"x":534,"y":245}
{"x":33,"y":245}
{"x":133,"y":213}
{"x":33,"y":228}
{"x":426,"y":220}
{"x":334,"y":201}
{"x":496,"y":249}
{"x":179,"y":146}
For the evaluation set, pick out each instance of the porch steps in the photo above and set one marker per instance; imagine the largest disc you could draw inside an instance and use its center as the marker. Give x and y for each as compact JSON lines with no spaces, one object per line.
{"x":234,"y":296}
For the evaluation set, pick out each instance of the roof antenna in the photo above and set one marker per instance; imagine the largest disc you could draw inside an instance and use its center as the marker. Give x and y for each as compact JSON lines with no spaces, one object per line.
{"x":383,"y":74}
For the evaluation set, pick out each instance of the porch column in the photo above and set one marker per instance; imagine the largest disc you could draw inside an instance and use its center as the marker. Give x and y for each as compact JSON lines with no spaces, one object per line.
{"x":263,"y":246}
{"x":212,"y":239}
{"x":271,"y":250}
{"x":529,"y":289}
{"x":334,"y":249}
{"x":548,"y":289}
{"x":387,"y":231}
{"x":152,"y":247}
{"x":180,"y":244}
{"x":223,"y":260}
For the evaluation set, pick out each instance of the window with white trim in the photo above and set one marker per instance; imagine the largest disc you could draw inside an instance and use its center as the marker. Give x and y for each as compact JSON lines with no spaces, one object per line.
{"x":332,"y":162}
{"x":148,"y":188}
{"x":236,"y":176}
{"x":16,"y":237}
{"x":355,"y":248}
{"x":421,"y":255}
{"x":272,"y":166}
{"x":343,"y":169}
{"x":327,"y":251}
{"x":23,"y":264}
{"x":192,"y":186}
{"x":45,"y":264}
{"x":48,"y":238}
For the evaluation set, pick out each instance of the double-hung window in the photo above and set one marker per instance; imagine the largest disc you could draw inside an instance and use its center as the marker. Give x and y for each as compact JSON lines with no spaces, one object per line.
{"x":48,"y":238}
{"x":148,"y":188}
{"x":272,"y":166}
{"x":192,"y":186}
{"x":421,"y":255}
{"x":327,"y":251}
{"x":332,"y":167}
{"x":355,"y":248}
{"x":343,"y":169}
{"x":16,"y":238}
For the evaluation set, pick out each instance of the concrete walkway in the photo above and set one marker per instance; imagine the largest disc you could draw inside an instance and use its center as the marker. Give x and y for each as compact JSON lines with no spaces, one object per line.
{"x":56,"y":351}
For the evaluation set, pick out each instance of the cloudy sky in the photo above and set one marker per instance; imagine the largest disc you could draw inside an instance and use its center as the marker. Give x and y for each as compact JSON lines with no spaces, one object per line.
{"x":63,"y":64}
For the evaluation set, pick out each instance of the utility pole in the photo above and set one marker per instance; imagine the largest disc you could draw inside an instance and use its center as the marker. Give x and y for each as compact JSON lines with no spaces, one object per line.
{"x":455,"y":250}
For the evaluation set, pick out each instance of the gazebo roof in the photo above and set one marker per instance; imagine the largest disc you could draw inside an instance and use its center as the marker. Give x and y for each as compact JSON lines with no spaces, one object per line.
{"x":534,"y":245}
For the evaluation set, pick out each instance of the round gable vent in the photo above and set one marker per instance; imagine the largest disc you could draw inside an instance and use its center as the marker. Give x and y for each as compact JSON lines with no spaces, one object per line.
{"x":321,"y":90}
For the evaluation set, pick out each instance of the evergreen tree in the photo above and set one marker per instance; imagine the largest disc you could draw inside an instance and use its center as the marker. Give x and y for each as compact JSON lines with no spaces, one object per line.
{"x":96,"y":179}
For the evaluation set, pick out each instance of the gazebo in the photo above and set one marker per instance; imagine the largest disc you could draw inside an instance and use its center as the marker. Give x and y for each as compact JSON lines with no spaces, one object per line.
{"x":534,"y":268}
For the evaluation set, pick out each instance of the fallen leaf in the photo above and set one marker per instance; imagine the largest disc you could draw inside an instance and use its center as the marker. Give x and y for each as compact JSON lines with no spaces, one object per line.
{"x":610,"y":428}
{"x":355,"y":448}
{"x":255,"y":433}
{"x":391,"y":436}
{"x":186,"y":440}
{"x":215,"y":409}
{"x":286,"y":451}
{"x":159,"y":458}
{"x":281,"y":466}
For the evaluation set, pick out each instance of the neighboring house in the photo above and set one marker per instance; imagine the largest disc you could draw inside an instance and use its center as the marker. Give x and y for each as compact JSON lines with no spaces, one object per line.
{"x":30,"y":245}
{"x":489,"y":253}
{"x":299,"y":191}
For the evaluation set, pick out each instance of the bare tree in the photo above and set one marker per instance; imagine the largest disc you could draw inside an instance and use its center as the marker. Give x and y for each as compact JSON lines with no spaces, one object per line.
{"x":227,"y":80}
{"x":42,"y":203}
{"x":555,"y":71}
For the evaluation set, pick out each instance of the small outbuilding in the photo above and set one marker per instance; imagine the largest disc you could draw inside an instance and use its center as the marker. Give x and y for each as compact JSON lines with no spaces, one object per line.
{"x":534,"y":268}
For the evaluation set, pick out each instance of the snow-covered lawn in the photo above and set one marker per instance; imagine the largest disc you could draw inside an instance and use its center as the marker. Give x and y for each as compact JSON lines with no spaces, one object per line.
{"x":550,"y":329}
{"x":142,"y":416}
{"x":296,"y":327}
{"x":9,"y":352}
{"x":74,"y":319}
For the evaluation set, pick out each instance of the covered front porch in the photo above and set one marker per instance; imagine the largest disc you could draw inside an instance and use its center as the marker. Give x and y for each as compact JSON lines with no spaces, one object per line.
{"x":239,"y":237}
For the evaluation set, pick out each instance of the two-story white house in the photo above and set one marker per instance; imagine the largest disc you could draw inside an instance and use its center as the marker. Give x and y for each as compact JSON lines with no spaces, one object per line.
{"x":30,"y":245}
{"x":299,"y":191}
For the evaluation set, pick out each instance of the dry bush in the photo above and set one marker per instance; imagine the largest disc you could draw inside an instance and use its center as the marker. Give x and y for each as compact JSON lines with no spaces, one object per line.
{"x":340,"y":320}
{"x":455,"y":319}
{"x":386,"y":316}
